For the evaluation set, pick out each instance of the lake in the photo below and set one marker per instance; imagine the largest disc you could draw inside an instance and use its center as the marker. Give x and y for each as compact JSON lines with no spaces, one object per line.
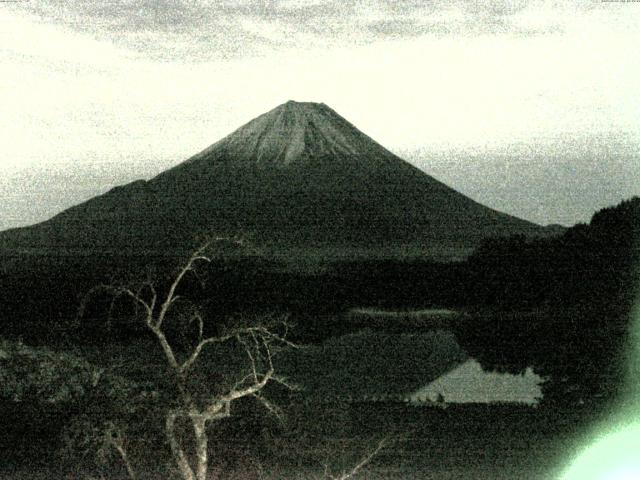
{"x":416,"y":366}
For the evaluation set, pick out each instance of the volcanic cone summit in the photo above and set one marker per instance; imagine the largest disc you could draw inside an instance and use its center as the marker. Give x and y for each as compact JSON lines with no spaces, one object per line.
{"x":294,"y":132}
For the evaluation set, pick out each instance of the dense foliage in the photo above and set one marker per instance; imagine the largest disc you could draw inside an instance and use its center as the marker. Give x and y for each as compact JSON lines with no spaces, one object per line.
{"x":578,"y":290}
{"x":70,"y":405}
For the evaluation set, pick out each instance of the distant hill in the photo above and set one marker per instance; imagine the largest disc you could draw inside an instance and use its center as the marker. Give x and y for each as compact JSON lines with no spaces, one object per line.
{"x":297,"y":180}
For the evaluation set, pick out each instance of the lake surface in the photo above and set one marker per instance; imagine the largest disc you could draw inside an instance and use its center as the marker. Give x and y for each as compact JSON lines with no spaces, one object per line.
{"x":469,"y":383}
{"x":415,"y":366}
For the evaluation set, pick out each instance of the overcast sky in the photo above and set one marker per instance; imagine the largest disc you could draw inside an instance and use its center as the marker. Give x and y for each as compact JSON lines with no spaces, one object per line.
{"x":531,"y":107}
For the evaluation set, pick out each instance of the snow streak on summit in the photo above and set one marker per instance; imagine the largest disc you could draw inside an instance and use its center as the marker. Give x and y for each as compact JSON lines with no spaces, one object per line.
{"x":293,"y":132}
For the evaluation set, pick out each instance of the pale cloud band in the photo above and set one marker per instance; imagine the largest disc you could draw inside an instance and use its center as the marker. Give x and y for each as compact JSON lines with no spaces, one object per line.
{"x":204,"y":30}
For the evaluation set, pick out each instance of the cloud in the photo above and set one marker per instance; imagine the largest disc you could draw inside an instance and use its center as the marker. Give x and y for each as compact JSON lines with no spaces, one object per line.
{"x":202,"y":30}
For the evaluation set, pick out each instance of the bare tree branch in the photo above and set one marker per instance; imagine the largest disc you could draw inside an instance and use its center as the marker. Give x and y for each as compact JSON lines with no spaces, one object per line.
{"x":273,"y":336}
{"x":188,"y":363}
{"x":271,"y":407}
{"x":359,"y":466}
{"x":166,"y":348}
{"x":171,"y":295}
{"x":238,"y":392}
{"x":286,"y":383}
{"x":196,"y":316}
{"x":117,"y":440}
{"x":252,"y":360}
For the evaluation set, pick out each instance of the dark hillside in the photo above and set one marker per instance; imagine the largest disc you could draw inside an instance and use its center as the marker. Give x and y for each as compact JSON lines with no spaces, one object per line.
{"x":579,"y":290}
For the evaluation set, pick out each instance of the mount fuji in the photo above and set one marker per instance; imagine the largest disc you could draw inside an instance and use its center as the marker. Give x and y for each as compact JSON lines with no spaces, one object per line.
{"x":297,"y":179}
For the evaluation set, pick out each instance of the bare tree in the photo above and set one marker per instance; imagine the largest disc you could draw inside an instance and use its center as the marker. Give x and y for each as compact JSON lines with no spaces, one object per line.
{"x":259,"y":342}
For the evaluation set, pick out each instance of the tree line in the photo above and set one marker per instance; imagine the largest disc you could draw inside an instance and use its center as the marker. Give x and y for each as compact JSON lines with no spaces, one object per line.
{"x":563,"y":305}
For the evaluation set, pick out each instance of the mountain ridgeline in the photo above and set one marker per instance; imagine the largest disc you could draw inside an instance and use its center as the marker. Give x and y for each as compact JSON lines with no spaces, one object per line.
{"x":296,"y":180}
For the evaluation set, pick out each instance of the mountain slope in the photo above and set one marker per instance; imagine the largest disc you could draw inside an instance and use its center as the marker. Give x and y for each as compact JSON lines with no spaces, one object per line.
{"x":296,"y":179}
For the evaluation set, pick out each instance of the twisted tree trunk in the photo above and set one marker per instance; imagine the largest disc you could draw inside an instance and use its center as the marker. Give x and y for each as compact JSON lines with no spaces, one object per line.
{"x":176,"y":449}
{"x":200,"y":431}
